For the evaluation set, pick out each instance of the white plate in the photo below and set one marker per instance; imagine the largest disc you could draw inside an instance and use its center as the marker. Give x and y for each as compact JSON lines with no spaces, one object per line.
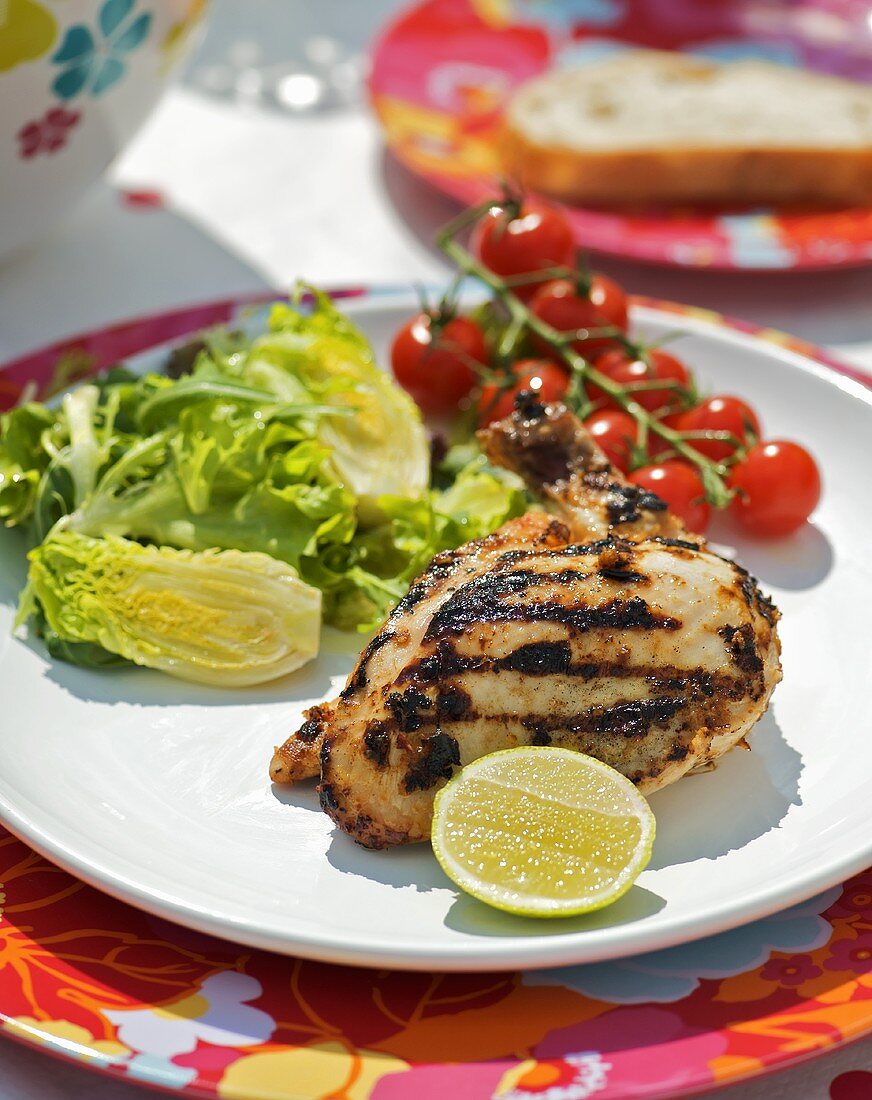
{"x":157,"y":791}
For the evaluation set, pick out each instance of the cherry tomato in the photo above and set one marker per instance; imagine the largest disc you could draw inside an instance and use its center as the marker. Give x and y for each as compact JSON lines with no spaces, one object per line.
{"x":614,"y":432}
{"x":538,"y":238}
{"x":680,"y":486}
{"x":719,"y":414}
{"x":672,"y":420}
{"x":559,"y":304}
{"x":657,"y":366}
{"x":610,"y":300}
{"x":607,"y":362}
{"x":433,"y":362}
{"x":779,"y":485}
{"x":539,"y":375}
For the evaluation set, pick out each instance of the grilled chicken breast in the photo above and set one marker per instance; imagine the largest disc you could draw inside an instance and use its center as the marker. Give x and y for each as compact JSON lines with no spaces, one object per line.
{"x":606,"y":628}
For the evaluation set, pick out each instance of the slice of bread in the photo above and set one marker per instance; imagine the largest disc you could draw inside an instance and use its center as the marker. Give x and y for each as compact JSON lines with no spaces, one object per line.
{"x":646,"y":127}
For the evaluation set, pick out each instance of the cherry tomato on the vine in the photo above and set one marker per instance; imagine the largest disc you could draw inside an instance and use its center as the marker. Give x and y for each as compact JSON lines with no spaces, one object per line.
{"x":561,"y":305}
{"x":671,"y":420}
{"x":680,"y":486}
{"x":610,"y":300}
{"x":435,"y":362}
{"x":722,"y":413}
{"x":539,"y":375}
{"x":779,"y":486}
{"x":656,"y":366}
{"x":614,"y":432}
{"x":539,"y":237}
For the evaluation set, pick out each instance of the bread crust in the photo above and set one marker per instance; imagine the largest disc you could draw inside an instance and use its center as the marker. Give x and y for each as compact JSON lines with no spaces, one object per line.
{"x":718,"y":176}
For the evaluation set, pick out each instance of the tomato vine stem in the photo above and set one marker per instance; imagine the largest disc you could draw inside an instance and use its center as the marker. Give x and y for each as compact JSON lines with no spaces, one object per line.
{"x":521,"y":318}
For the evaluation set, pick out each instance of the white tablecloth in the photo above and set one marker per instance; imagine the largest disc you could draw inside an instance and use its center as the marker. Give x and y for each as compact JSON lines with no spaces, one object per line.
{"x":254,"y":197}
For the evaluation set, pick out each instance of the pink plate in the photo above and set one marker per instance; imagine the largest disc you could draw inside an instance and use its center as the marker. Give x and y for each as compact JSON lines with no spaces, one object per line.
{"x":442,"y":72}
{"x":90,"y":979}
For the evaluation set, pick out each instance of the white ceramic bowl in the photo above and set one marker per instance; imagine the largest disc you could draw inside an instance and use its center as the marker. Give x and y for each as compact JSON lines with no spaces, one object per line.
{"x":76,"y":81}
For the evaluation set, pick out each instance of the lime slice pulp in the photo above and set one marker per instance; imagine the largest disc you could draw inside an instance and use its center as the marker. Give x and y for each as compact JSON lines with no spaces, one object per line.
{"x":542,"y":831}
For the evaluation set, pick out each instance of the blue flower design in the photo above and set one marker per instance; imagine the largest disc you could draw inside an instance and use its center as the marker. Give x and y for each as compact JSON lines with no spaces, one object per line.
{"x":155,"y":1069}
{"x":587,"y":51}
{"x":95,"y":63}
{"x":744,"y":49}
{"x":754,"y":241}
{"x":567,"y":14}
{"x":675,"y":972}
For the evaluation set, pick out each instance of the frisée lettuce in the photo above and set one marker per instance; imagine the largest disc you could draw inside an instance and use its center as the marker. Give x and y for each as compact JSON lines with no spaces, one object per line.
{"x":292,"y":447}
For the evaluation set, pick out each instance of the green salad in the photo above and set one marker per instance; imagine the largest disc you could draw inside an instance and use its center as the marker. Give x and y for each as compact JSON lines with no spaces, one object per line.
{"x":206,"y":524}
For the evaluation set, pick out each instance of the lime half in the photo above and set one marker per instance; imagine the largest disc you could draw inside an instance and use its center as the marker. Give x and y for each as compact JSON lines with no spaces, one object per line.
{"x":543,"y":832}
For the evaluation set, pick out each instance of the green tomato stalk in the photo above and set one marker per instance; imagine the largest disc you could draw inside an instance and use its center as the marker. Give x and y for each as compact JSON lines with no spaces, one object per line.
{"x":522,"y":319}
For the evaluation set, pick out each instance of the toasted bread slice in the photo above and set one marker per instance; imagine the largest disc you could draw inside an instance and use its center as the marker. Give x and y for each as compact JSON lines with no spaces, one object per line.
{"x":648,"y":127}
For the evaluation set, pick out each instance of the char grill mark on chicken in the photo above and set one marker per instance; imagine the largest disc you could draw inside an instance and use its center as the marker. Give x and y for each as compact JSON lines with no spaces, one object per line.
{"x":607,"y":629}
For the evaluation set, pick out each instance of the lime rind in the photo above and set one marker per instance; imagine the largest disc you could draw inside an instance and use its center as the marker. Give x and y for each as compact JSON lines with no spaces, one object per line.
{"x":511,"y":897}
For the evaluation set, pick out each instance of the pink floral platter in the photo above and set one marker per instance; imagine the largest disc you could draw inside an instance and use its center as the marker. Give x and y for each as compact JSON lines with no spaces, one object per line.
{"x":443,"y":71}
{"x":95,"y":981}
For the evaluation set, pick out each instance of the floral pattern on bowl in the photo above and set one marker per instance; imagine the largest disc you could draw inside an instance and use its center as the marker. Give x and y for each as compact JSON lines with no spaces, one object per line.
{"x":94,"y":62}
{"x":76,"y":81}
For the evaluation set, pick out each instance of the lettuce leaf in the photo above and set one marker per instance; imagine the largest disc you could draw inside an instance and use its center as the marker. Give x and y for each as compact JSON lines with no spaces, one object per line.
{"x":292,"y":446}
{"x":362,"y":580}
{"x":380,"y":449}
{"x":260,"y":489}
{"x":23,"y":459}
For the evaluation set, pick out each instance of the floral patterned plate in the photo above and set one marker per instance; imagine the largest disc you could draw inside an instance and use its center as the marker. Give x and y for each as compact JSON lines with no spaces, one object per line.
{"x":443,"y":71}
{"x":95,"y":981}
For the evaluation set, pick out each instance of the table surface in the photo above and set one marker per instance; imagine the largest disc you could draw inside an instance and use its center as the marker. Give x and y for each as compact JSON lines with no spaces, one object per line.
{"x":245,"y":196}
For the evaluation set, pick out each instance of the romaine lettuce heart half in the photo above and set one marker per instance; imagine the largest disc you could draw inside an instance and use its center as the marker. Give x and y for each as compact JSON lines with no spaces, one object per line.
{"x":229,"y":617}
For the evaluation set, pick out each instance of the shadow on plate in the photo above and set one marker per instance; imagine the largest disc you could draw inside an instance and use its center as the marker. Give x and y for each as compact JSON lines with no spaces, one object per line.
{"x":13,"y":566}
{"x":749,"y":793}
{"x":746,"y":796}
{"x":477,"y":919}
{"x":797,"y":564}
{"x":415,"y":866}
{"x":147,"y":688}
{"x":412,"y":865}
{"x":302,"y":795}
